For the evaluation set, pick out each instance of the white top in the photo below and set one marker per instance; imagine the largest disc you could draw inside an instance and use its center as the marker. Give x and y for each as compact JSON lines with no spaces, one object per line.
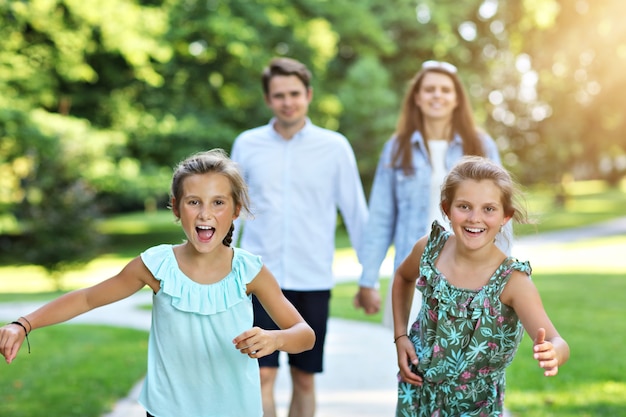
{"x":438,"y":150}
{"x":296,"y":188}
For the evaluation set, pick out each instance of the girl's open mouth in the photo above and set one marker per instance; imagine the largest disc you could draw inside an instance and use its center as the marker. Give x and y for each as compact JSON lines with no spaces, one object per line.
{"x":205,"y":233}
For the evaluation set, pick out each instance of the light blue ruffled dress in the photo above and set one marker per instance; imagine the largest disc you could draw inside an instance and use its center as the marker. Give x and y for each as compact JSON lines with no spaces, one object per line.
{"x":194,"y":369}
{"x":464,"y":340}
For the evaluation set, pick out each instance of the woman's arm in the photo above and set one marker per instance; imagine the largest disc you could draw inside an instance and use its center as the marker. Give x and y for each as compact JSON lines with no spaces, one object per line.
{"x":378,"y":234}
{"x":294,"y":336}
{"x":380,"y":229}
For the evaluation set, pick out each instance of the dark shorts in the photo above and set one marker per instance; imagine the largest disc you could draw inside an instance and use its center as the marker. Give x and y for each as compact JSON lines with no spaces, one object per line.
{"x":313,"y":306}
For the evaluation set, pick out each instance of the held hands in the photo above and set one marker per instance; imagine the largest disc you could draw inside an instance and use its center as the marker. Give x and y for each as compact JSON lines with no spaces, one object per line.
{"x":544,"y":352}
{"x":407,"y":361}
{"x":256,"y":342}
{"x":11,"y":338}
{"x":368,"y":299}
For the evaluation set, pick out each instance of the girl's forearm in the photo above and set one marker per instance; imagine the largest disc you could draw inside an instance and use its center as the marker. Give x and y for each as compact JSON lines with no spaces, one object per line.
{"x":401,"y":300}
{"x":296,"y":339}
{"x":59,"y":310}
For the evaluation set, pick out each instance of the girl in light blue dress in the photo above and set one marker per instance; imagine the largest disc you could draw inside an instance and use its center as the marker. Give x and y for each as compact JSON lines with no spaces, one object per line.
{"x":202,"y":349}
{"x":477,"y":301}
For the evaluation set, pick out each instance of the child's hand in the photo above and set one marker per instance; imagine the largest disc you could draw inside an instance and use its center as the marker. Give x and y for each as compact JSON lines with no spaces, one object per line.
{"x":407,"y":361}
{"x":256,"y":342}
{"x":11,"y":339}
{"x":545,"y":353}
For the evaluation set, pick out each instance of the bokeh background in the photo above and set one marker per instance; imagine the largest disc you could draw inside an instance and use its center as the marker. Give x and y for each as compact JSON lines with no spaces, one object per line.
{"x":99,"y":99}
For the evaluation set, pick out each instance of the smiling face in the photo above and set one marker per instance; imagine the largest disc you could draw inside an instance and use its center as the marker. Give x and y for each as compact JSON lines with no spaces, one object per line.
{"x":436,"y":96}
{"x":289,"y":99}
{"x":206,"y":210}
{"x":476,"y":213}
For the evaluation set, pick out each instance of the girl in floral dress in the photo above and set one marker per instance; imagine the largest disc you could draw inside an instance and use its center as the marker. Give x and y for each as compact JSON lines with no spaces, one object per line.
{"x":476,"y":303}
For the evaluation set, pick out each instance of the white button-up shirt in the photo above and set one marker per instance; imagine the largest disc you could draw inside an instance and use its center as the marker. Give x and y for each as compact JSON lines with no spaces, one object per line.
{"x":296,"y":187}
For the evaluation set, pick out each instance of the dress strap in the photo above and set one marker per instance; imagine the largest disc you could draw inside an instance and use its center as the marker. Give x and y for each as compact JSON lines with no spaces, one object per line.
{"x":505,"y":270}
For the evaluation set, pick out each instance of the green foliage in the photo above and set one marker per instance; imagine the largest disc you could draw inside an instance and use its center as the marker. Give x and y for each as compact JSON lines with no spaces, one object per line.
{"x":53,"y":206}
{"x":559,"y":114}
{"x":369,"y":114}
{"x":143,"y":84}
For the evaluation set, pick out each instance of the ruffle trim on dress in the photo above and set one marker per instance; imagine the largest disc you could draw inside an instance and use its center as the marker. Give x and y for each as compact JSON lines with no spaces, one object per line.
{"x":477,"y":302}
{"x":190,"y":296}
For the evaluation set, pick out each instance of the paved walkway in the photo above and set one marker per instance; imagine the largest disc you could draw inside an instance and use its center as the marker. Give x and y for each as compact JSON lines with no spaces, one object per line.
{"x":359,"y":378}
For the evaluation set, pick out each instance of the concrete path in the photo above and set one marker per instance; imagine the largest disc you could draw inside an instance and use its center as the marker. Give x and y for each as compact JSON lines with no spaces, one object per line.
{"x":360,"y":369}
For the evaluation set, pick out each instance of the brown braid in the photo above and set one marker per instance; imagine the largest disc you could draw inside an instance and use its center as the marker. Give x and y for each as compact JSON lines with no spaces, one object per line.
{"x":228,"y":239}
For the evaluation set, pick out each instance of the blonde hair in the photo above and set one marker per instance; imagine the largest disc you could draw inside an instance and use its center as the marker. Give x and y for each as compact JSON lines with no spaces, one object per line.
{"x":478,"y":168}
{"x":216,"y":161}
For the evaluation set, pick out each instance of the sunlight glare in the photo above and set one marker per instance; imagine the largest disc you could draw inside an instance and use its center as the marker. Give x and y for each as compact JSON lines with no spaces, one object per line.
{"x":488,"y":9}
{"x":422,"y":13}
{"x":467,"y":30}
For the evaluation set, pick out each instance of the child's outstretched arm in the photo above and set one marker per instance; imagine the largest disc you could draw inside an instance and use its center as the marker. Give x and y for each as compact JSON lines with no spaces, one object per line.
{"x":130,"y":280}
{"x":549,"y":349}
{"x":294,"y":336}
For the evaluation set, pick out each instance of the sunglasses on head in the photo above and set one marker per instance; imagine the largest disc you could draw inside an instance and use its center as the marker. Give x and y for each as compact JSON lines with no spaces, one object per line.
{"x":446,"y":66}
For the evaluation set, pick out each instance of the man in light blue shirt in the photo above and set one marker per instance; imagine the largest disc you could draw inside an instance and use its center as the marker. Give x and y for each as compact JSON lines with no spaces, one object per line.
{"x":299,"y":175}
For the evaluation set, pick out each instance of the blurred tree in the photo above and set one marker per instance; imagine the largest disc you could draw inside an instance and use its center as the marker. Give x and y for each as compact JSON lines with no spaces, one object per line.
{"x":580,"y":60}
{"x":555,"y":66}
{"x":43,"y":191}
{"x":142,"y":84}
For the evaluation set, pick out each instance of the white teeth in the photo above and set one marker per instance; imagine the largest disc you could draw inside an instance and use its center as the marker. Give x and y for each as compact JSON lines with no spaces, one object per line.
{"x":204,"y":227}
{"x":473,"y":230}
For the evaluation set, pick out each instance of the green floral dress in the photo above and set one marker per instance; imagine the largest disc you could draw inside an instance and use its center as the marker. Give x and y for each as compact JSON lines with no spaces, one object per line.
{"x":464,"y":340}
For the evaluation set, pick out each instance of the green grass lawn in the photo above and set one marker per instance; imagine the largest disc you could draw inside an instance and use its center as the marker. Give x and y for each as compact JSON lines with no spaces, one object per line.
{"x":73,"y":371}
{"x":78,"y":370}
{"x":588,"y":310}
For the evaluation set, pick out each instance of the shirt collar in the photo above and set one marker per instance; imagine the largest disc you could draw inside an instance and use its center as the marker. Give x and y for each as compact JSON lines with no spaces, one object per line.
{"x":307,"y":126}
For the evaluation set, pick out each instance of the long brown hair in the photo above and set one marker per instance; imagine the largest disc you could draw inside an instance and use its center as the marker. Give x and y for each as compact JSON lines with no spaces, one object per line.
{"x":411,"y":119}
